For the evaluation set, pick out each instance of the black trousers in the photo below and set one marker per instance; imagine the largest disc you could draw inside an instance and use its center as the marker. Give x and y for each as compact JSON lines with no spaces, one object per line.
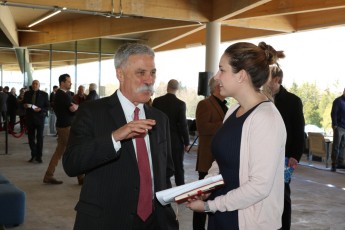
{"x":35,"y":131}
{"x":286,"y":218}
{"x":178,"y":156}
{"x":199,"y":218}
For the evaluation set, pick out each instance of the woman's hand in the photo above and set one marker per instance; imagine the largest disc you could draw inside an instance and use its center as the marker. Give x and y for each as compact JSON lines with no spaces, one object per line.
{"x":196,"y":205}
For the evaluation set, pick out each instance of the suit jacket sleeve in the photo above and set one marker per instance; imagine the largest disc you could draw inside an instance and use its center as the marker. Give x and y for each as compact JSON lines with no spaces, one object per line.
{"x":87,"y":148}
{"x":206,"y":126}
{"x":298,"y":131}
{"x":183,"y":124}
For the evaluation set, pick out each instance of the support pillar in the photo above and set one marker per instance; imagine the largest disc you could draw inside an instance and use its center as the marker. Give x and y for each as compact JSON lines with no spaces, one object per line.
{"x":212,"y":46}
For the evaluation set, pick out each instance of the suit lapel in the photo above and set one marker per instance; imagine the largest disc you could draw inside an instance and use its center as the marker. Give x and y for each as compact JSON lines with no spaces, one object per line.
{"x":153,"y":138}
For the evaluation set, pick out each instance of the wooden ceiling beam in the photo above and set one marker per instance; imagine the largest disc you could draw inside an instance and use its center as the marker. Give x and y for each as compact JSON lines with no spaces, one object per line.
{"x":89,"y":27}
{"x":224,"y":9}
{"x":196,"y":11}
{"x":158,"y":39}
{"x":196,"y":39}
{"x":8,"y":57}
{"x":8,"y":25}
{"x":228,"y":34}
{"x":277,"y":23}
{"x":282,"y":7}
{"x":235,"y":33}
{"x":321,"y":19}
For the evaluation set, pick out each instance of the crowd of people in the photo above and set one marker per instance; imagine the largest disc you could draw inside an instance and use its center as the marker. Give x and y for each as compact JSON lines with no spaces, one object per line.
{"x":12,"y":110}
{"x":250,"y":143}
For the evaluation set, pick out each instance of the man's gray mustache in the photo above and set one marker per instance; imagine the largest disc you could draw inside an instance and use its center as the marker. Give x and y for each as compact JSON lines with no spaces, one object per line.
{"x":145,"y":88}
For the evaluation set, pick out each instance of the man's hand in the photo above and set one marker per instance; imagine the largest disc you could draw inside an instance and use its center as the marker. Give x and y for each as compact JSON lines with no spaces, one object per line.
{"x":186,"y":148}
{"x":292,"y":162}
{"x":73,"y":107}
{"x":133,"y":129}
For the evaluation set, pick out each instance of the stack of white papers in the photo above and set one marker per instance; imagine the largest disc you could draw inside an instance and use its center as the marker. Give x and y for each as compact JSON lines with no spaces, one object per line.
{"x":168,"y":196}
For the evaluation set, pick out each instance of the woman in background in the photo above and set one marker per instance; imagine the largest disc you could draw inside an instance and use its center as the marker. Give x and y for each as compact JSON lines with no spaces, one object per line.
{"x":249,"y":147}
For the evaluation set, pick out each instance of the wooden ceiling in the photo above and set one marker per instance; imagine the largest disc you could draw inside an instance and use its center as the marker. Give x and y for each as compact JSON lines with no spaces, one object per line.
{"x":91,"y":27}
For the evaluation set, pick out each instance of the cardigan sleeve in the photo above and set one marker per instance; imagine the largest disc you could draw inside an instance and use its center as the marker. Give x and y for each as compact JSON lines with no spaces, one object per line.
{"x":261,"y":162}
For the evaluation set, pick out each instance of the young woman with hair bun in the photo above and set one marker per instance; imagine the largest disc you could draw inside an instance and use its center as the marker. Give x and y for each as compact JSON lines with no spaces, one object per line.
{"x":249,"y":148}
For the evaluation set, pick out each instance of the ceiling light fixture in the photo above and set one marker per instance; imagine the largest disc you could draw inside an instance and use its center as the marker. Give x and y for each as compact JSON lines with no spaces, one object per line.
{"x":44,"y":18}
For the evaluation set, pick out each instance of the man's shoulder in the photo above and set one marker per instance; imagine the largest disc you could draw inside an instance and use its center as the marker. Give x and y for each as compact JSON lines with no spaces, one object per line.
{"x":289,"y":96}
{"x":44,"y":93}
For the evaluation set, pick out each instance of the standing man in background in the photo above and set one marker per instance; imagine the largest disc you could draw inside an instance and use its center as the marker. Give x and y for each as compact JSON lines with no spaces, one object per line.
{"x":3,"y":108}
{"x":92,"y":93}
{"x":80,"y":96}
{"x":291,"y":109}
{"x":64,"y":109}
{"x":175,"y":109}
{"x":209,"y":117}
{"x":36,"y":104}
{"x":52,"y":119}
{"x":338,"y":125}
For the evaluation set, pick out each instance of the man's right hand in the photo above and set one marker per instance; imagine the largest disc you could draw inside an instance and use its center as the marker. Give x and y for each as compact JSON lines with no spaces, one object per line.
{"x":133,"y":129}
{"x":73,"y":107}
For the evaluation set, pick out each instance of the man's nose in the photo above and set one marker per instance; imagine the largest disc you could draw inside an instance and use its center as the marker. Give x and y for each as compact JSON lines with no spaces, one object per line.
{"x":149,"y":78}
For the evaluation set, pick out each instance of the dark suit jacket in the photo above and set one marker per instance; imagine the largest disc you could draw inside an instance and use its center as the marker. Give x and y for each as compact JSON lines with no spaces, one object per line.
{"x":41,"y":101}
{"x":291,"y":109}
{"x":209,"y":118}
{"x":175,"y":109}
{"x":109,"y":195}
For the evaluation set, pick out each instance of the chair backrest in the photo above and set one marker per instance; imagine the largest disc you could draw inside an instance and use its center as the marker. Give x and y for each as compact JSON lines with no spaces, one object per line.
{"x":317,"y":145}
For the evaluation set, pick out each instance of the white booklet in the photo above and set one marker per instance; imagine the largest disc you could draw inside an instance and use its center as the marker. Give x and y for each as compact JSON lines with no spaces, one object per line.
{"x":168,"y":196}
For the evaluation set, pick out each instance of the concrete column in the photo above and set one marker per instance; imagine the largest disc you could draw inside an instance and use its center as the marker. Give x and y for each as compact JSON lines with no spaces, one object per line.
{"x":212,"y":46}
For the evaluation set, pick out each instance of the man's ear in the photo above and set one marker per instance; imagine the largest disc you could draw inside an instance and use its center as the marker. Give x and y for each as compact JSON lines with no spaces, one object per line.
{"x":276,"y":80}
{"x":119,"y":74}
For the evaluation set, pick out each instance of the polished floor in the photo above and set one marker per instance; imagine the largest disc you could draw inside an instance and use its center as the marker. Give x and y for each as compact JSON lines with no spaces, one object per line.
{"x":318,"y":195}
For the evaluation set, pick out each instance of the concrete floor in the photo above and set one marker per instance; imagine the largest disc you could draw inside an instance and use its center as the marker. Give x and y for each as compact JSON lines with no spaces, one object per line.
{"x":318,"y":195}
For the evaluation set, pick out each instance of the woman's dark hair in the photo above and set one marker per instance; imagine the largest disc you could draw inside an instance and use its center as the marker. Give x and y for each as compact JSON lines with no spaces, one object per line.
{"x":255,"y":60}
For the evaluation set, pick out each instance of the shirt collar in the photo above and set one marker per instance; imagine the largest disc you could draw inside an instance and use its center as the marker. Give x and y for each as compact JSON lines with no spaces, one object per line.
{"x":128,"y":107}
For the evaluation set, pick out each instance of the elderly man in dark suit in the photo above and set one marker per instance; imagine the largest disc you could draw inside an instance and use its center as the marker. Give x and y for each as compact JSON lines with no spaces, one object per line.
{"x":37,"y":104}
{"x":123,"y":147}
{"x":209,"y":118}
{"x":175,"y":109}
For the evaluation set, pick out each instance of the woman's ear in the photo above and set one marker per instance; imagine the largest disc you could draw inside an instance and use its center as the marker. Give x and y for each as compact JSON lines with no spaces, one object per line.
{"x":242,"y":76}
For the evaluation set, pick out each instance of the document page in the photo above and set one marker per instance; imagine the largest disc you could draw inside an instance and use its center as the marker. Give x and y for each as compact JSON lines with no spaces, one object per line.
{"x":168,"y":196}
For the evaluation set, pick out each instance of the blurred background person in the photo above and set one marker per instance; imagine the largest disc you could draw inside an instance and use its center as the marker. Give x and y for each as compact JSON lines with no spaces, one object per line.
{"x":52,"y":116}
{"x":12,"y":108}
{"x":92,"y":93}
{"x":37,"y":105}
{"x":338,"y":125}
{"x":290,"y":108}
{"x":175,"y":109}
{"x":80,"y":96}
{"x":21,"y":109}
{"x":3,"y":108}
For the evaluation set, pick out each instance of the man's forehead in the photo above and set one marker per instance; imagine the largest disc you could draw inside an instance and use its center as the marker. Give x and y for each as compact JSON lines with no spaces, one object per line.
{"x":141,"y":60}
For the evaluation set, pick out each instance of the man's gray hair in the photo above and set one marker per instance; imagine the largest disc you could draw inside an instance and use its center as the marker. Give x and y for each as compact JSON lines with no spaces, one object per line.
{"x":92,"y":86}
{"x":124,"y":51}
{"x":212,"y":84}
